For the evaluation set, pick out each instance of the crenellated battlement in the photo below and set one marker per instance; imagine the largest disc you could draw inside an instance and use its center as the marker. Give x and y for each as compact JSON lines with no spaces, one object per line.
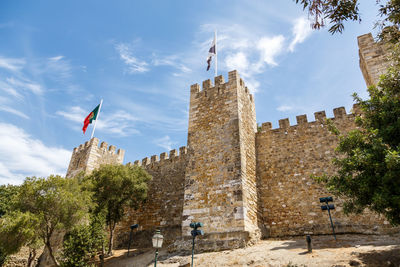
{"x":219,"y":87}
{"x":235,"y":179}
{"x":320,"y":116}
{"x":94,"y":142}
{"x":155,"y":159}
{"x":90,"y":155}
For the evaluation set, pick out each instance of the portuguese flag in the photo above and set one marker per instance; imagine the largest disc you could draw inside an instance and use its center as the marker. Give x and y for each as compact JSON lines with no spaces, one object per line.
{"x":91,"y":117}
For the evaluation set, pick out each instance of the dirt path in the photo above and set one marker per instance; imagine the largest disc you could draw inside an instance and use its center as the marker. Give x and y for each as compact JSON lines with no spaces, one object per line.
{"x":348,"y":250}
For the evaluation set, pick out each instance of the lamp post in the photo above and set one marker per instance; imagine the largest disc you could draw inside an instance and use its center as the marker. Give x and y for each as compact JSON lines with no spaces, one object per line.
{"x":157,"y":243}
{"x":133,"y":226}
{"x":195,"y":233}
{"x":328,"y":207}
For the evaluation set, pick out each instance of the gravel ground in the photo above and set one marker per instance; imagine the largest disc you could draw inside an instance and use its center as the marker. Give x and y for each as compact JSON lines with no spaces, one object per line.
{"x":348,"y":250}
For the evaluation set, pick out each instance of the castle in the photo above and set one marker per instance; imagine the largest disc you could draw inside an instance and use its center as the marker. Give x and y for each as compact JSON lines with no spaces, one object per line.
{"x":241,"y":181}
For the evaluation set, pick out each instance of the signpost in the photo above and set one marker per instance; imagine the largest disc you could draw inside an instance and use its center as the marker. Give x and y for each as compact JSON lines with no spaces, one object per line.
{"x":195,"y":233}
{"x":328,"y":207}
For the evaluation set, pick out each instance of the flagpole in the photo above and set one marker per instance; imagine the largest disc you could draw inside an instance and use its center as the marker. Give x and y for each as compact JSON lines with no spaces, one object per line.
{"x":97,"y":117}
{"x":216,"y":54}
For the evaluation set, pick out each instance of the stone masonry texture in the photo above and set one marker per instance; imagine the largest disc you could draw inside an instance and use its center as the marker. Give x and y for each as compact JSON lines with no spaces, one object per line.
{"x":373,"y":58}
{"x":241,"y":181}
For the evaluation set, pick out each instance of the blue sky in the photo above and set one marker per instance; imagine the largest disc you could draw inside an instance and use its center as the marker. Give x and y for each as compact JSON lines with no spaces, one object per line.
{"x":59,"y":58}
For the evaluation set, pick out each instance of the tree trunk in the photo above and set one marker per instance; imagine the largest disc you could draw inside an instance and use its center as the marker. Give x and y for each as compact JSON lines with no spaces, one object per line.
{"x":102,"y":255}
{"x":110,"y":244}
{"x":32,"y":256}
{"x":48,"y":246}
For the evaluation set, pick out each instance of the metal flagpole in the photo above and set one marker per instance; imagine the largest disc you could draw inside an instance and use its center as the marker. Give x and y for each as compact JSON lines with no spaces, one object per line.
{"x":95,"y":122}
{"x":216,"y":54}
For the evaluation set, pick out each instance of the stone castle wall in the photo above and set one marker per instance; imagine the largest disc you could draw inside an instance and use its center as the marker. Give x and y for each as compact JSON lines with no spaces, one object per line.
{"x":237,"y":181}
{"x":287,"y":157}
{"x":163,"y":208}
{"x":90,"y":156}
{"x":220,"y":175}
{"x":373,"y":58}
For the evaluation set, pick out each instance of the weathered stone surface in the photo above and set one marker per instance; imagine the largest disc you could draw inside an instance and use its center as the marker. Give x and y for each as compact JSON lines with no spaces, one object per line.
{"x":237,"y":181}
{"x":163,"y":208}
{"x":220,"y":188}
{"x":289,"y":197}
{"x":373,"y":58}
{"x":90,"y":156}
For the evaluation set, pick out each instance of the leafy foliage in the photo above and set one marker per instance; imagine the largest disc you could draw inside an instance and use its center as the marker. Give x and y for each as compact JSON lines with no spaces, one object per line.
{"x":18,"y":229}
{"x":369,"y":163}
{"x":336,"y":12}
{"x":7,"y":192}
{"x":55,"y":202}
{"x":82,"y":243}
{"x":115,"y":188}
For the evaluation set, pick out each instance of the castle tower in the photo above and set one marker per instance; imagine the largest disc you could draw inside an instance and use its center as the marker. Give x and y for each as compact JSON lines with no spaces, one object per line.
{"x":90,"y":156}
{"x":373,"y":58}
{"x":220,"y":177}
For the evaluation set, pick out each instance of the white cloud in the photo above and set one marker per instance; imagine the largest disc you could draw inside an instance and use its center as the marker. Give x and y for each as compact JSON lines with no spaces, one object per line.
{"x":25,"y":85}
{"x":249,"y":52}
{"x":10,"y":90}
{"x":12,"y":64}
{"x":75,"y":114}
{"x":301,"y":31}
{"x":284,"y":108}
{"x":134,"y":65}
{"x":57,"y":68}
{"x":165,"y":142}
{"x":172,"y":60}
{"x":237,"y":61}
{"x":13,"y":111}
{"x":119,"y":123}
{"x":56,"y":58}
{"x":270,"y":47}
{"x":22,"y":156}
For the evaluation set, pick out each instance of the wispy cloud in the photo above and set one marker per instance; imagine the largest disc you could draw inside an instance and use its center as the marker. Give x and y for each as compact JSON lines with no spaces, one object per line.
{"x":119,"y":123}
{"x":134,"y":65}
{"x":247,"y":52}
{"x":12,"y":64}
{"x":165,"y":142}
{"x":25,"y":84}
{"x":173,"y":61}
{"x":284,"y":108}
{"x":270,"y":48}
{"x":301,"y":31}
{"x":13,"y":111}
{"x":22,"y":155}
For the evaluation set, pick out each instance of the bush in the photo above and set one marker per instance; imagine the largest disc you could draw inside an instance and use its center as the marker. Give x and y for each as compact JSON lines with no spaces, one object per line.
{"x":82,"y":244}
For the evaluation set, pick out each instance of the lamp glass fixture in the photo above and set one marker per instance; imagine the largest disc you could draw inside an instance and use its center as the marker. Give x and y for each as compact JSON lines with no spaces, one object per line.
{"x":157,"y":239}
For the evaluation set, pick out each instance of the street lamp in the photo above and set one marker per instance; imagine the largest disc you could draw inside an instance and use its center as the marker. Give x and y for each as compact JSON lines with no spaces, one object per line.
{"x":157,"y":243}
{"x":328,"y":207}
{"x":195,"y":233}
{"x":133,"y":226}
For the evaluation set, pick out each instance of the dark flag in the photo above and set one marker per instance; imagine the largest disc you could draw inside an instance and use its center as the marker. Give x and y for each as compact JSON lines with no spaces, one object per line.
{"x":211,"y":53}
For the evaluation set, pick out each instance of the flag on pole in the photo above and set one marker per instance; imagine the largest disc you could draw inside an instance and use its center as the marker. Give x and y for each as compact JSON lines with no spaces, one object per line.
{"x":89,"y":118}
{"x":211,"y":53}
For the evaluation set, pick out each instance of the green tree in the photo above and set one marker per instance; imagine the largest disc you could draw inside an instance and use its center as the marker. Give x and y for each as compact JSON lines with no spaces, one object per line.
{"x":83,"y":242}
{"x":369,"y":157}
{"x":58,"y":204}
{"x":6,"y":195}
{"x":116,"y":187}
{"x":19,"y":229}
{"x":336,"y":12}
{"x":7,"y":192}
